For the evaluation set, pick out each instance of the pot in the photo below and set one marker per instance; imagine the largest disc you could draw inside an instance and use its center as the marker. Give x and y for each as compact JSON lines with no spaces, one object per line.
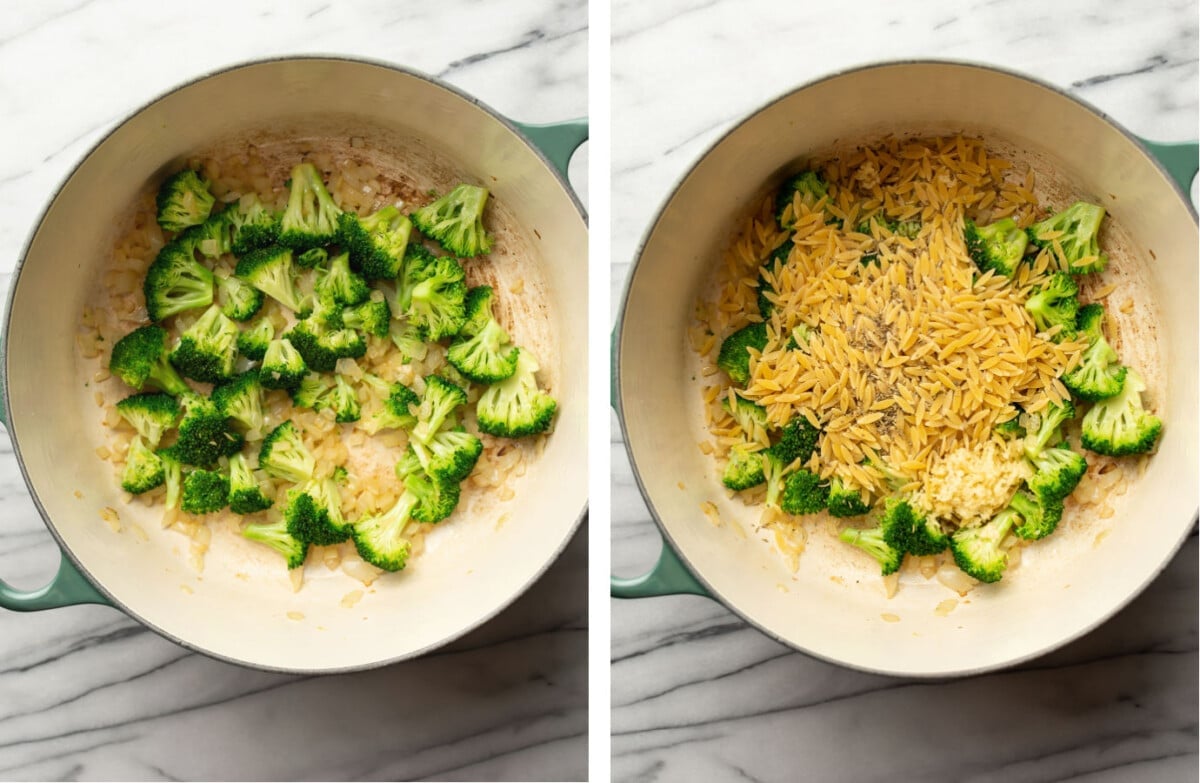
{"x":240,"y":608}
{"x":1068,"y":583}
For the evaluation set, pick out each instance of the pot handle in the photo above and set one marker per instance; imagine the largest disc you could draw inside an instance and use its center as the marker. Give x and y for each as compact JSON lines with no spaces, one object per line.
{"x":557,"y":140}
{"x":668,"y":577}
{"x":1181,"y":160}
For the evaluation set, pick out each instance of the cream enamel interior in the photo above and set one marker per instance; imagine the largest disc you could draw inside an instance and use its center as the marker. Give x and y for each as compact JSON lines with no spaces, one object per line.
{"x":241,"y":607}
{"x":832,"y":607}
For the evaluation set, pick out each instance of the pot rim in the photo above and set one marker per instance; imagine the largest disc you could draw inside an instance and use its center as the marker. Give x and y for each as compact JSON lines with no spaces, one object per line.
{"x":66,"y":551}
{"x":619,"y":331}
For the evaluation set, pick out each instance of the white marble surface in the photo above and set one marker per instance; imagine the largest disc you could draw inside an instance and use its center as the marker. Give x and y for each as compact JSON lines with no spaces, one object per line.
{"x":86,"y":693}
{"x":699,"y":695}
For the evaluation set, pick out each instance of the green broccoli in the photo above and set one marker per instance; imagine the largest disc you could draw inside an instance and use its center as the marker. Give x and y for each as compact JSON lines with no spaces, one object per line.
{"x":482,"y":351}
{"x":409,"y":341}
{"x":284,"y":455}
{"x":998,"y":247}
{"x":977,"y":550}
{"x":376,"y":242}
{"x":436,"y":296}
{"x":1044,"y":429}
{"x":734,"y":357}
{"x":311,"y":217}
{"x":319,"y":392}
{"x":183,"y":200}
{"x":874,"y":541}
{"x":340,"y":284}
{"x":313,"y":391}
{"x":176,"y":282}
{"x":417,"y":259}
{"x":238,"y":300}
{"x":207,"y":349}
{"x":804,"y":493}
{"x":173,"y":472}
{"x":246,"y":491}
{"x":797,"y":441}
{"x":895,"y":479}
{"x":1040,"y":516}
{"x":205,"y":491}
{"x":282,"y":365}
{"x":449,"y":456}
{"x":1119,"y":425}
{"x":750,"y":417}
{"x":344,"y":402}
{"x":1099,"y":374}
{"x":269,"y":269}
{"x":919,"y":534}
{"x":150,"y":414}
{"x":844,"y":500}
{"x":312,"y":258}
{"x":436,"y":499}
{"x":253,"y":341}
{"x":205,"y":434}
{"x":144,"y":470}
{"x":515,"y":407}
{"x":321,"y":346}
{"x":744,"y":468}
{"x":275,"y":535}
{"x":398,"y":410}
{"x":1076,"y":230}
{"x":212,"y":239}
{"x":241,"y":399}
{"x":379,"y":538}
{"x":811,"y":188}
{"x":1057,"y":472}
{"x":439,"y":402}
{"x":254,"y":225}
{"x":140,"y":359}
{"x":371,"y":317}
{"x":456,"y":221}
{"x":1011,"y":429}
{"x":314,"y":513}
{"x":1055,"y":304}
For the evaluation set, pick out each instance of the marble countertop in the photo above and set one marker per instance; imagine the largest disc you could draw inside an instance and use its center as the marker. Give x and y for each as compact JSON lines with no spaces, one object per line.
{"x":85,"y":692}
{"x":699,"y":695}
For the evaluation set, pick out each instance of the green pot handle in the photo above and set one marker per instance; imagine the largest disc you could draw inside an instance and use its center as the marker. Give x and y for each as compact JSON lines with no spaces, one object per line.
{"x":557,"y":140}
{"x":1181,"y":160}
{"x":668,"y":577}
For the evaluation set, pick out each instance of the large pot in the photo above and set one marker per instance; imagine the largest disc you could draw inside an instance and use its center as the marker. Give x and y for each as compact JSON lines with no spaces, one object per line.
{"x":238,"y":609}
{"x":1067,"y":584}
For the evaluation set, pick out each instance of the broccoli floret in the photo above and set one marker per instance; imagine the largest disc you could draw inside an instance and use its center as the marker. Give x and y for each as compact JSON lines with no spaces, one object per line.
{"x":999,"y":246}
{"x":516,"y":407}
{"x":183,"y":200}
{"x":916,"y":533}
{"x":238,"y":300}
{"x":314,"y":513}
{"x":750,"y":417}
{"x":436,"y":499}
{"x":176,"y":282}
{"x":150,"y":414}
{"x":205,"y":491}
{"x":845,"y":500}
{"x":744,"y":469}
{"x":1099,"y":374}
{"x":269,"y":269}
{"x":322,"y":346}
{"x":1076,"y":230}
{"x":1039,"y":516}
{"x":874,"y":542}
{"x":804,"y":493}
{"x":977,"y":550}
{"x":282,"y":365}
{"x":340,"y":284}
{"x":208,"y":348}
{"x":312,"y":392}
{"x":275,"y":535}
{"x":312,"y":258}
{"x":253,"y":341}
{"x":1045,"y":429}
{"x":379,"y":538}
{"x":797,"y":441}
{"x":439,"y":402}
{"x":808,"y":184}
{"x":1055,"y":304}
{"x":212,"y":238}
{"x":241,"y":399}
{"x":344,"y":402}
{"x":319,"y":392}
{"x":409,"y":341}
{"x":1011,"y":429}
{"x":456,"y":221}
{"x":436,"y":296}
{"x":449,"y":456}
{"x":311,"y":217}
{"x":140,"y":359}
{"x":173,"y":471}
{"x":246,"y":495}
{"x":734,"y":357}
{"x":371,"y":317}
{"x":398,"y":410}
{"x":376,"y":242}
{"x":284,"y":455}
{"x":482,"y":351}
{"x":254,"y":225}
{"x":205,"y":434}
{"x":1119,"y":425}
{"x":895,"y":479}
{"x":1057,"y":472}
{"x":144,"y":470}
